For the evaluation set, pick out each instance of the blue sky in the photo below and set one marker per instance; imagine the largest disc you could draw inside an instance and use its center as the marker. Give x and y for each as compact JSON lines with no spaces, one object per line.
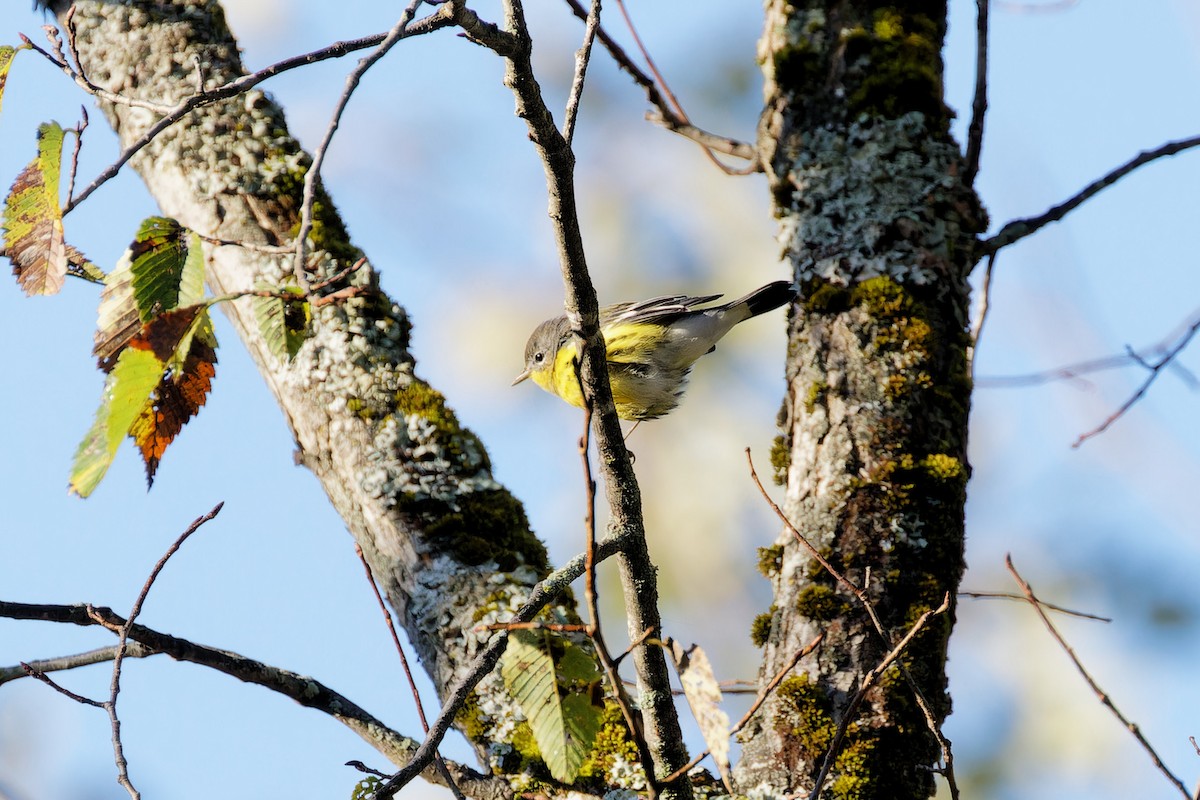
{"x":441,"y":188}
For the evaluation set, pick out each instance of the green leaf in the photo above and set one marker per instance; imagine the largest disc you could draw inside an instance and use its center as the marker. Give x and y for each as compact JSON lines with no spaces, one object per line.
{"x":563,"y":725}
{"x":166,"y":267}
{"x":33,"y":229}
{"x":365,"y":789}
{"x":126,"y":393}
{"x":283,"y":323}
{"x":6,"y":58}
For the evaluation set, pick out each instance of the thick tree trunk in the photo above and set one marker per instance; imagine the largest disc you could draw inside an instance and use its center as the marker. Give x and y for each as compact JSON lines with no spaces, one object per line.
{"x":450,"y":547}
{"x":880,"y":231}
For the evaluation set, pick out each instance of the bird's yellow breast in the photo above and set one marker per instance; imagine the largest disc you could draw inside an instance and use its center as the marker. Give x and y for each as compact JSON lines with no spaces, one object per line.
{"x":624,"y":345}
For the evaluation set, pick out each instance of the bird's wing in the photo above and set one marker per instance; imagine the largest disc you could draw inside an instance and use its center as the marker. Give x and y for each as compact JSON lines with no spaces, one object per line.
{"x":657,"y":309}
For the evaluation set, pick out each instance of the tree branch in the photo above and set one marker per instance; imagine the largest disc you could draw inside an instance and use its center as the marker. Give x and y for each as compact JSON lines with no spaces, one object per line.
{"x":306,"y":691}
{"x":1018,"y":229}
{"x":979,"y":105}
{"x":666,"y":115}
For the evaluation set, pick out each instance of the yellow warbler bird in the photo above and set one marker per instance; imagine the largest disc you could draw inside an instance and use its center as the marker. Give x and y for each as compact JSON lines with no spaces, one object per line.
{"x":651,"y":347}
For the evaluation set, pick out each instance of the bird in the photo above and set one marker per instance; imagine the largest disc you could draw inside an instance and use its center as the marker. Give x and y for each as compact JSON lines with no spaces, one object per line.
{"x":650,"y":345}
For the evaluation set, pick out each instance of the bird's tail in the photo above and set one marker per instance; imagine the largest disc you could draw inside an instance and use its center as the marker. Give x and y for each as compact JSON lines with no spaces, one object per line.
{"x":766,"y":298}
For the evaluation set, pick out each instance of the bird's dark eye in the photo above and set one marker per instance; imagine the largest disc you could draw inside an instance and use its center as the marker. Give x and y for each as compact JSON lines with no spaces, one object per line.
{"x":539,"y":357}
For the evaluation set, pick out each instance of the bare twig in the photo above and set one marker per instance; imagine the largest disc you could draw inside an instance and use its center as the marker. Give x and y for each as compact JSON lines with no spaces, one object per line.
{"x":412,"y":684}
{"x":666,"y":115}
{"x":57,"y":59}
{"x":33,"y":672}
{"x":1020,"y":228}
{"x":173,"y":114}
{"x":98,"y":656}
{"x":641,"y":639}
{"x":1156,"y":369}
{"x":254,"y":247}
{"x":485,"y":662}
{"x":676,"y":107}
{"x":1101,"y":695}
{"x":534,"y":626}
{"x":398,"y":32}
{"x":1044,"y":604}
{"x":763,"y":694}
{"x":582,"y":57}
{"x":303,"y":689}
{"x":867,"y":682}
{"x":123,"y":638}
{"x":979,"y":105}
{"x":79,"y":129}
{"x":985,"y":295}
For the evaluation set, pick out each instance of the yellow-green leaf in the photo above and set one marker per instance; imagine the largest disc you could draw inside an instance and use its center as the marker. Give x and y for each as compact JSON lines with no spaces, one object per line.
{"x":283,"y":323}
{"x":6,"y":58}
{"x":563,"y":719}
{"x":127,"y":392}
{"x":33,"y":229}
{"x":166,"y":267}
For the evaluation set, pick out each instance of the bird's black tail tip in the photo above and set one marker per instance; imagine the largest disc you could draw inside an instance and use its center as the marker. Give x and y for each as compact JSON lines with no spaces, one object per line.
{"x":769,"y":297}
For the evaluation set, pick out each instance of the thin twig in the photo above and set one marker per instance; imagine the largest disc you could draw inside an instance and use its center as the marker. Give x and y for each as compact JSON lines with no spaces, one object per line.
{"x":763,"y":694}
{"x":1101,"y":695}
{"x":979,"y":105}
{"x":659,"y":715}
{"x":666,"y":114}
{"x":123,"y":638}
{"x":98,"y":656}
{"x":240,"y":85}
{"x":398,"y":32}
{"x":864,"y":687}
{"x":303,"y":689}
{"x":412,"y":684}
{"x":57,"y":59}
{"x":485,"y":662}
{"x":33,"y":672}
{"x":1045,"y":605}
{"x":985,"y":295}
{"x":641,"y":639}
{"x":1018,"y":229}
{"x":254,"y":247}
{"x":79,"y":129}
{"x":1155,"y":370}
{"x":675,"y":104}
{"x":582,"y":57}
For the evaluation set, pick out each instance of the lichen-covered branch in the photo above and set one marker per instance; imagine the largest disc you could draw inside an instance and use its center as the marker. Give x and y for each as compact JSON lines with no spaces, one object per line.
{"x":450,"y":547}
{"x":879,"y":228}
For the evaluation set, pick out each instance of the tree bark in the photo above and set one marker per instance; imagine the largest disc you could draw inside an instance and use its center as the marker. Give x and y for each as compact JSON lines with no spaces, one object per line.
{"x":880,"y":231}
{"x":450,"y":547}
